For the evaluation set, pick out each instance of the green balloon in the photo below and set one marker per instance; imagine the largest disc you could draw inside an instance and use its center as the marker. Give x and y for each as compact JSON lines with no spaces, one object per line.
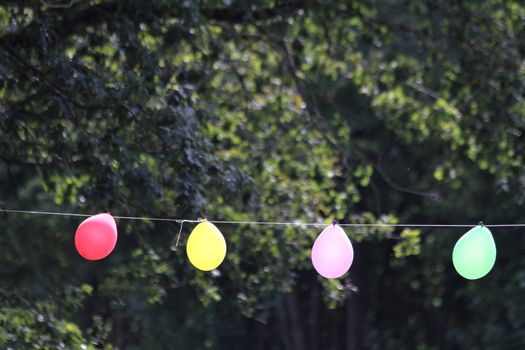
{"x":474,"y":254}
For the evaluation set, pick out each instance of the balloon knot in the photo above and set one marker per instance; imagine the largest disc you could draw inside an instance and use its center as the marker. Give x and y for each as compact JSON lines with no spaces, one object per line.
{"x":334,"y":222}
{"x":481,"y":224}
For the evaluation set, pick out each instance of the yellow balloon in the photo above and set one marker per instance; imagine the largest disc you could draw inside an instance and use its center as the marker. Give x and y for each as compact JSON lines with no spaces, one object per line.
{"x":206,"y":247}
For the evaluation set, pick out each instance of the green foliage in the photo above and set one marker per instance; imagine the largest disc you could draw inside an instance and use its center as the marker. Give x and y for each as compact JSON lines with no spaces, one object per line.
{"x":410,"y":243}
{"x":362,"y":111}
{"x":40,"y":325}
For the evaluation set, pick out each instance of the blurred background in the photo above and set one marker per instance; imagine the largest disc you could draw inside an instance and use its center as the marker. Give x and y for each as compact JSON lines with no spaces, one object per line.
{"x":364,"y":111}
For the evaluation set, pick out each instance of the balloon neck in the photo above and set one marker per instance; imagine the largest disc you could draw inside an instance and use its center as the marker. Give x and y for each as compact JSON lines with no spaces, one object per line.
{"x":481,"y":224}
{"x":334,"y":222}
{"x":203,"y":220}
{"x":109,"y":213}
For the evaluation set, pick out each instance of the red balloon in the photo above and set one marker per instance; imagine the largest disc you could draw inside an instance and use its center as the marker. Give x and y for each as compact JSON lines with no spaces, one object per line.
{"x":96,"y":237}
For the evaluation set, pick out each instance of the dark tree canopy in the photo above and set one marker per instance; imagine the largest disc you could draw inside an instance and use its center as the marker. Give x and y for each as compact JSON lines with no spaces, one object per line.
{"x":364,"y":111}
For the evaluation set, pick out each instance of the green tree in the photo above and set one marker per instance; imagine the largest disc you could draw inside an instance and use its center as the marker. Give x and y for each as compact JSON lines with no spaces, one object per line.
{"x":363,"y":111}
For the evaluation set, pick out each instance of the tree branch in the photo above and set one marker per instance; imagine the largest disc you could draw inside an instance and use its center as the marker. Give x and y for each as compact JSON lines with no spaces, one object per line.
{"x":242,"y":15}
{"x":60,"y":5}
{"x":71,"y":24}
{"x":51,"y":85}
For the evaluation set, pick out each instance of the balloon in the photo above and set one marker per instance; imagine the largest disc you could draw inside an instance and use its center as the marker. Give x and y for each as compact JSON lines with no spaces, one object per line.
{"x":332,"y":253}
{"x":206,"y":247}
{"x":474,"y":254}
{"x":96,"y":237}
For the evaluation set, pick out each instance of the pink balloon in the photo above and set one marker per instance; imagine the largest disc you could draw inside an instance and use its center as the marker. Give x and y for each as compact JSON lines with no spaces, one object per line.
{"x":332,"y":253}
{"x":96,"y":237}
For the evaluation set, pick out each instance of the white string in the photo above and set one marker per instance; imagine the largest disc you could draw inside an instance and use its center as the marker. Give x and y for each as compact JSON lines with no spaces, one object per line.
{"x":320,"y":224}
{"x":275,"y":223}
{"x":40,"y":212}
{"x":34,"y":212}
{"x":180,"y":231}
